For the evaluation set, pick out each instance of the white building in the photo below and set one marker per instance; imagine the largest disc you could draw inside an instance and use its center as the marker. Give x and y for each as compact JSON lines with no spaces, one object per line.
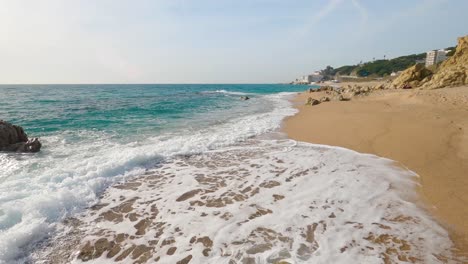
{"x":316,"y":77}
{"x":304,"y":79}
{"x":307,"y":79}
{"x":435,"y":56}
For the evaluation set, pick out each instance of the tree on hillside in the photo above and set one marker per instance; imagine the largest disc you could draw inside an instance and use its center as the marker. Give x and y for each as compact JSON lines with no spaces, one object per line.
{"x":345,"y":70}
{"x":327,"y":73}
{"x":380,"y":68}
{"x":451,"y":50}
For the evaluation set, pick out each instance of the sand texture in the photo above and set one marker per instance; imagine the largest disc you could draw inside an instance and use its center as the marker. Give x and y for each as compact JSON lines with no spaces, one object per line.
{"x":264,"y":201}
{"x":426,"y":131}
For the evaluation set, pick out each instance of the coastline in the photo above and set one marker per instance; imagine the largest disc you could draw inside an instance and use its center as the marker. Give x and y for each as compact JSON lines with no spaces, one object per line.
{"x":424,"y":130}
{"x":245,"y":192}
{"x":234,"y":204}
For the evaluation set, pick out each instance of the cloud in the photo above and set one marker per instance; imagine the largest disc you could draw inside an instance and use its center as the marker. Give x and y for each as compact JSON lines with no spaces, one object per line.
{"x":362,"y":11}
{"x":315,"y":19}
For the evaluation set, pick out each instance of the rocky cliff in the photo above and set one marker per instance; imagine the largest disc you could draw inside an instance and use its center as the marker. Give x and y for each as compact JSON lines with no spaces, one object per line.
{"x":453,"y":71}
{"x":411,"y":77}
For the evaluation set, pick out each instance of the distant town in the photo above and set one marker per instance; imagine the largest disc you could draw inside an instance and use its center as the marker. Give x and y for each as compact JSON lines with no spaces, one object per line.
{"x":376,"y":69}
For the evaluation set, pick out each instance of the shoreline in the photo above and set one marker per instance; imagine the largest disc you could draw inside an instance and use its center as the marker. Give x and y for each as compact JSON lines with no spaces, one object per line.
{"x":140,"y":218}
{"x":245,"y":194}
{"x":424,"y":130}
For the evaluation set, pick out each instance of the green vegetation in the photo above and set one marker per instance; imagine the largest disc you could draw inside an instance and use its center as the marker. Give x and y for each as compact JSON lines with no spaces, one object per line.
{"x":378,"y":68}
{"x":345,"y":70}
{"x":451,"y":52}
{"x":385,"y":67}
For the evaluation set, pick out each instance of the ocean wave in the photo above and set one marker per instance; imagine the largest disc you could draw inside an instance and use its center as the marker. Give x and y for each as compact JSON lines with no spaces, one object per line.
{"x":261,"y":201}
{"x":226,"y":92}
{"x":38,"y":191}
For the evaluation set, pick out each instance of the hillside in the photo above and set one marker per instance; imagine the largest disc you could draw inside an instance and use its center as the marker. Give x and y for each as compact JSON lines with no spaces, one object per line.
{"x":378,"y":68}
{"x":453,"y":71}
{"x":450,"y":73}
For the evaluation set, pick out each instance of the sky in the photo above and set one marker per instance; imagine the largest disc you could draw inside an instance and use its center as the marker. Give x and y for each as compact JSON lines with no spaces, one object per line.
{"x":212,"y":41}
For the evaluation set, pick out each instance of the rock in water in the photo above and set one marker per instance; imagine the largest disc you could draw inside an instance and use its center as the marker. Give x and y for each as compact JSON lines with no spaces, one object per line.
{"x":244,"y":98}
{"x":13,"y":138}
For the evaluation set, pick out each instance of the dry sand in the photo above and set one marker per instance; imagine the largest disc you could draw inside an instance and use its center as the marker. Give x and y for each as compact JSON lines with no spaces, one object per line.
{"x":425,"y":130}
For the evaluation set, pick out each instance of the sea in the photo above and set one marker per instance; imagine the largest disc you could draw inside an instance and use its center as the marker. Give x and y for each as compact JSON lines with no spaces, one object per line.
{"x":191,"y":173}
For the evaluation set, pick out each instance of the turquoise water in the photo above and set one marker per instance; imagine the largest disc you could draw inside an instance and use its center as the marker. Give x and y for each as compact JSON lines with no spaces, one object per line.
{"x":96,"y":135}
{"x":46,"y":109}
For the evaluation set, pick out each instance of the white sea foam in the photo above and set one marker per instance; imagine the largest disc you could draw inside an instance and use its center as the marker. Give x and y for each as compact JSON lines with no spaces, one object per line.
{"x":227,"y":92}
{"x":261,"y":202}
{"x":37,"y":191}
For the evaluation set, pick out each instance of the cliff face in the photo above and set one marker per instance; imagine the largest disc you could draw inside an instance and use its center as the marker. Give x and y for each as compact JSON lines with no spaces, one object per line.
{"x":413,"y":76}
{"x":453,"y":71}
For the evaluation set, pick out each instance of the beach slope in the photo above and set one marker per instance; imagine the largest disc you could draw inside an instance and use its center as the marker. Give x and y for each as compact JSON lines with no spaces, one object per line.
{"x":424,"y":130}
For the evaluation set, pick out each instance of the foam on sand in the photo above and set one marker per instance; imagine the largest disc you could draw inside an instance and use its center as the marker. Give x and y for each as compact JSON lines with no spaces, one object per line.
{"x":260,"y":202}
{"x":74,"y":167}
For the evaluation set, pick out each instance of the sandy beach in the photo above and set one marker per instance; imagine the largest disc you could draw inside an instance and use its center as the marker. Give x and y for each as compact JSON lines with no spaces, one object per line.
{"x":424,"y":130}
{"x":279,"y":200}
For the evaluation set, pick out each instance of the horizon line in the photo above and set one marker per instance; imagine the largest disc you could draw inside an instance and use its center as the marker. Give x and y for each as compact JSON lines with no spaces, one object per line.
{"x":137,"y":83}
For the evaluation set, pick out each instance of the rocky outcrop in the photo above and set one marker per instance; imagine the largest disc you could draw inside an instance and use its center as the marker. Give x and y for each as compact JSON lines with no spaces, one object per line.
{"x":312,"y":101}
{"x":380,"y":87}
{"x":345,"y":93}
{"x":411,"y":77}
{"x":342,"y":98}
{"x":325,"y":88}
{"x":358,"y":90}
{"x":13,"y":138}
{"x":453,"y":71}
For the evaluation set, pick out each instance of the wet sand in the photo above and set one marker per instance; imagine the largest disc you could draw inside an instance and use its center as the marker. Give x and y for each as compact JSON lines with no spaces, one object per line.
{"x":424,"y":130}
{"x":252,"y":204}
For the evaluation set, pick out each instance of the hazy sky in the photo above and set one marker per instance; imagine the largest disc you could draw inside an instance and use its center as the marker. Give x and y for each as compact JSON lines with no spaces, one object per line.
{"x":212,"y":41}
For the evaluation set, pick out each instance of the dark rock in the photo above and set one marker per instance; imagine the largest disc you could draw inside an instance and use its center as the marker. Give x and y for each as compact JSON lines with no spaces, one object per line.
{"x":406,"y":86}
{"x":244,"y":98}
{"x":13,"y":138}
